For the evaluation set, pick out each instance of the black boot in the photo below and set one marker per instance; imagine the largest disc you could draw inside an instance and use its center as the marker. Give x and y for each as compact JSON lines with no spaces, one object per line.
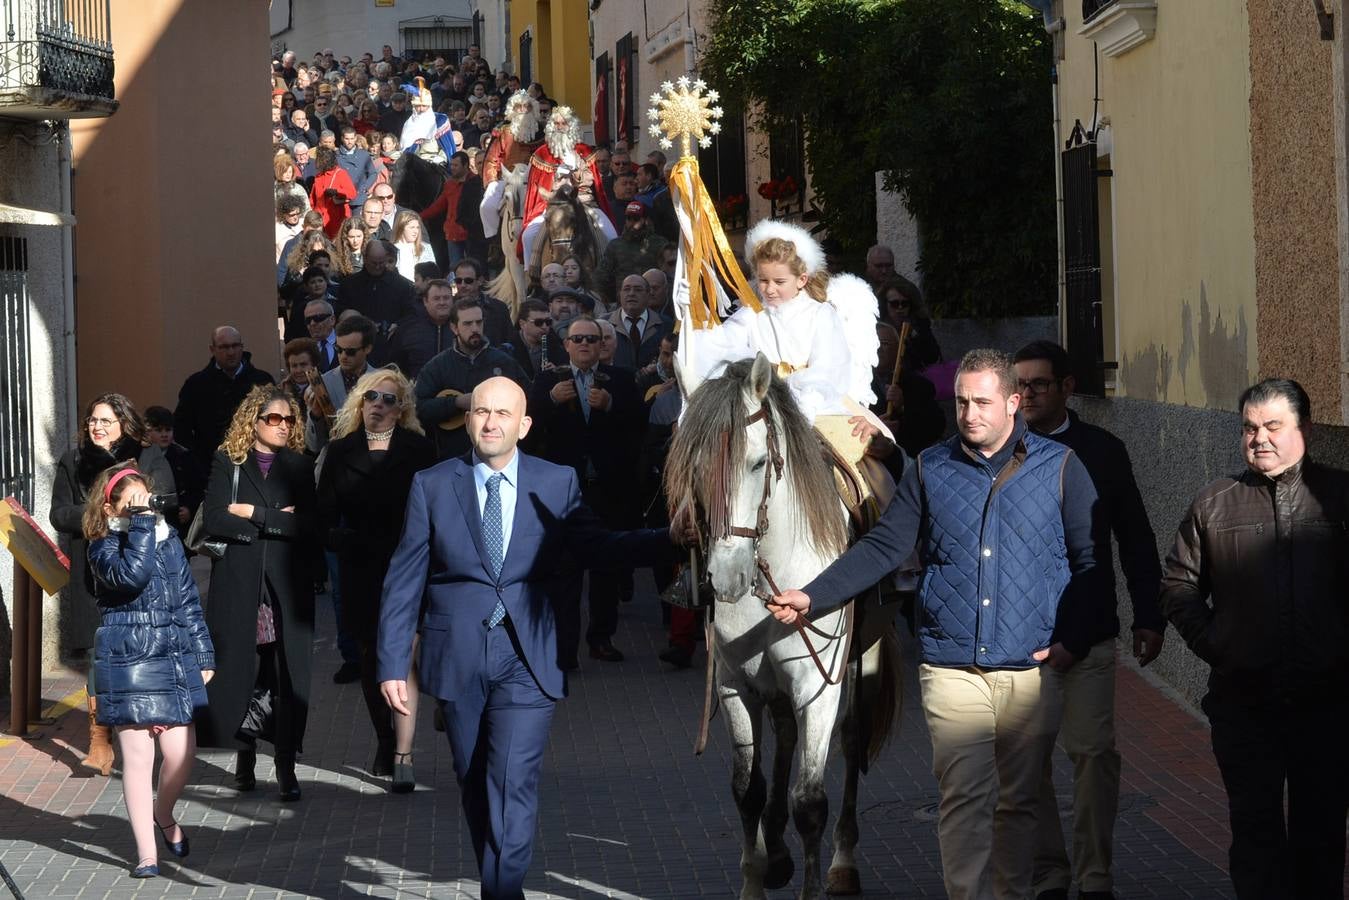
{"x":244,"y":779}
{"x":286,"y":782}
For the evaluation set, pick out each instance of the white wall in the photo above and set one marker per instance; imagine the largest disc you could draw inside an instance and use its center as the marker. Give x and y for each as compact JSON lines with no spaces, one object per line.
{"x":352,"y":27}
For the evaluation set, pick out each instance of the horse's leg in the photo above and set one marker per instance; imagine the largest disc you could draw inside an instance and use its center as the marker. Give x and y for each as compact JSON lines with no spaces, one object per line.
{"x":843,"y":879}
{"x":744,"y":722}
{"x":780,"y":866}
{"x":810,"y":804}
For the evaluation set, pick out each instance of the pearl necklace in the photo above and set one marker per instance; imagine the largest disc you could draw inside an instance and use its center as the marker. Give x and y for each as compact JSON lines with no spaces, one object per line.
{"x":378,"y":437}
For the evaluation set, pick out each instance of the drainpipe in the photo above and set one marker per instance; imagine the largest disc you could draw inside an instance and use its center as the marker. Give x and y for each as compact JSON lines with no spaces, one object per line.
{"x":1052,"y":28}
{"x":68,"y":285}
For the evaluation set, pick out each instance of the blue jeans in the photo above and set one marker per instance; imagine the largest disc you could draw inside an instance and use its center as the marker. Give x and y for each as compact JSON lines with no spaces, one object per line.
{"x":346,"y":644}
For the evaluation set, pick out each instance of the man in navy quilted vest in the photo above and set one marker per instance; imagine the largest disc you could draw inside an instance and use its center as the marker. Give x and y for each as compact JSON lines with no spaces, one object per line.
{"x":1002,"y":519}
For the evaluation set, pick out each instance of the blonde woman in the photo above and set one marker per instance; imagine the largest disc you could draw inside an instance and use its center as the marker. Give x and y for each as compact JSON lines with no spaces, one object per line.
{"x":377,"y":445}
{"x":413,"y":248}
{"x":260,"y":501}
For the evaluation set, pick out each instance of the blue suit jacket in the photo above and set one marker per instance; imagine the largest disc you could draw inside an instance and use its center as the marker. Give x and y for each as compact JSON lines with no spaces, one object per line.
{"x":441,"y":555}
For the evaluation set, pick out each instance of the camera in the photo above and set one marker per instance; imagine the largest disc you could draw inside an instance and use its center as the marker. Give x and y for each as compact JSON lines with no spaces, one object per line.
{"x":161,"y":502}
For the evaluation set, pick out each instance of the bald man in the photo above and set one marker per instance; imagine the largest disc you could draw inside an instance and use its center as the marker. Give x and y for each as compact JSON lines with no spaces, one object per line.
{"x":208,"y":398}
{"x":489,"y":637}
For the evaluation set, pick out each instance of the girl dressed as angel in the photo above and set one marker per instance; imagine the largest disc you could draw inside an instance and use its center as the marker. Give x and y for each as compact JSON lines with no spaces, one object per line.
{"x":819,"y":330}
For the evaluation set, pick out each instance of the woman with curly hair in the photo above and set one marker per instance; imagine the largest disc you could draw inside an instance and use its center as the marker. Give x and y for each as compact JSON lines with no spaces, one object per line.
{"x":113,"y":433}
{"x":285,"y":185}
{"x":260,"y":501}
{"x":376,"y":446}
{"x":410,"y":238}
{"x":349,"y":247}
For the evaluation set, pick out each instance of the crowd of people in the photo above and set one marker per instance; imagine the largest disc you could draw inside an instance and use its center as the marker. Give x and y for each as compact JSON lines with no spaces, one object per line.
{"x":396,"y":357}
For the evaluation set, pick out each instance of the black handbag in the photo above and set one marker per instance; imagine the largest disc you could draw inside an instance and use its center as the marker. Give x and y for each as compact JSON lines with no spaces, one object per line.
{"x":197,"y":539}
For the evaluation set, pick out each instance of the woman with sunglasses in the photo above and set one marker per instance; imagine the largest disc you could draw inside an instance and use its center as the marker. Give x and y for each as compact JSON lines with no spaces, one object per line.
{"x":260,"y":501}
{"x":901,"y":304}
{"x":376,"y":446}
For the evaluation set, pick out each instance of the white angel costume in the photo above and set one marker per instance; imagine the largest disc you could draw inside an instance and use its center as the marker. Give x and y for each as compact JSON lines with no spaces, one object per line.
{"x":824,"y":351}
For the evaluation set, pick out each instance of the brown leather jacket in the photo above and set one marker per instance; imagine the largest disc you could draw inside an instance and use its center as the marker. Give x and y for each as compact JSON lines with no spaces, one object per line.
{"x":1272,"y":556}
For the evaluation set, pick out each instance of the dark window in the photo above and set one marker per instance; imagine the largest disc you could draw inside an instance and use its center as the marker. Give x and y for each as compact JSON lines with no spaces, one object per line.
{"x":723,"y":164}
{"x":1092,"y":7}
{"x":433,"y":36}
{"x":16,"y":406}
{"x":526,"y":59}
{"x":1082,"y":268}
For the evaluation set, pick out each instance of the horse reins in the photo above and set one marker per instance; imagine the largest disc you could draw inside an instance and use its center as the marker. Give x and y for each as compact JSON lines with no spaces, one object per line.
{"x":772,"y":473}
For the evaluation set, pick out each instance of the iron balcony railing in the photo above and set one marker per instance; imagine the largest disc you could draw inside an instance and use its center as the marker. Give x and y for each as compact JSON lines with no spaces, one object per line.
{"x":61,"y":45}
{"x":1091,"y":7}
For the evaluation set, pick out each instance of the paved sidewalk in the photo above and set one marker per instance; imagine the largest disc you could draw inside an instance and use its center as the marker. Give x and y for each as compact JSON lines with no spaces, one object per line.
{"x":627,"y":810}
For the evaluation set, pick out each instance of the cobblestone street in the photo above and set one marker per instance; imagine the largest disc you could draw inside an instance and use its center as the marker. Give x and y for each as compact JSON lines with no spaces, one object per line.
{"x":627,"y":810}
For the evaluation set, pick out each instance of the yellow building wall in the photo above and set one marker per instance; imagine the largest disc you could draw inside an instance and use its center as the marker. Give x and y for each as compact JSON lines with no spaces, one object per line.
{"x":1184,"y":298}
{"x":561,"y":49}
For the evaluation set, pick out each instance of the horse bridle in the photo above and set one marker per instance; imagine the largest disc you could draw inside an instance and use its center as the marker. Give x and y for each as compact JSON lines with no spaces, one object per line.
{"x":720,"y":521}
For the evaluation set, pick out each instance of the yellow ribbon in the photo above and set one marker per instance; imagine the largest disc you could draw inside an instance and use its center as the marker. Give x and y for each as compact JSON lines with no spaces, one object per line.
{"x":709,"y":262}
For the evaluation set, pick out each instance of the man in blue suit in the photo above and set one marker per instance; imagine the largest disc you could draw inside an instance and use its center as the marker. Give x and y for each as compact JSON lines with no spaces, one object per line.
{"x":483,"y":538}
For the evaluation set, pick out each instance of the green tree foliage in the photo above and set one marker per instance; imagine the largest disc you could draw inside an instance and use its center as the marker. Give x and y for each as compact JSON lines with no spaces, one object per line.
{"x":949,"y":98}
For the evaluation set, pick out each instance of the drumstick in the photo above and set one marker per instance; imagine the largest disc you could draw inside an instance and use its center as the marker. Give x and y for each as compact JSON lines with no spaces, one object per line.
{"x":899,"y":364}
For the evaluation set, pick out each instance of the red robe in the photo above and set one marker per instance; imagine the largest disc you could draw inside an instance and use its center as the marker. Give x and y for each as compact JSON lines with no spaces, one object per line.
{"x":505,"y":152}
{"x":543,"y":164}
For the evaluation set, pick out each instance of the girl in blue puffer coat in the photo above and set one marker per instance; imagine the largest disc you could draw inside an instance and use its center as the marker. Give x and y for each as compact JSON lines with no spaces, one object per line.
{"x":152,"y":653}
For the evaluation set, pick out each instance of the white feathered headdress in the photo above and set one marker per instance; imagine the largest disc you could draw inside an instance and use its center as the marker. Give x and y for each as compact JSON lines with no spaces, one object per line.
{"x":809,"y":249}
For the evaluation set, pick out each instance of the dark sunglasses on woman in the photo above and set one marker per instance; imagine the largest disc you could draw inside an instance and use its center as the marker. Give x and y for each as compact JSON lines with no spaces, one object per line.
{"x":275,"y":419}
{"x":387,"y":399}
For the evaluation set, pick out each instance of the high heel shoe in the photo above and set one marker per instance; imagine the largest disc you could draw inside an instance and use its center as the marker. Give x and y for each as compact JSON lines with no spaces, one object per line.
{"x":382,"y":767}
{"x":286,"y":782}
{"x":146,"y":870}
{"x":244,"y":779}
{"x":404,"y":782}
{"x":179,"y":849}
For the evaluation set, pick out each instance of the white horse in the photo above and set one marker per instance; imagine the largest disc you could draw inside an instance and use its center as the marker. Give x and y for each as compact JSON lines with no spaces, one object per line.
{"x":750,"y":465}
{"x":509,"y":286}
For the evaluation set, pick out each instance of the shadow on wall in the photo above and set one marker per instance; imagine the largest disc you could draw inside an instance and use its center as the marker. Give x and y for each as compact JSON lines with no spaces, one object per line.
{"x":1221,"y":354}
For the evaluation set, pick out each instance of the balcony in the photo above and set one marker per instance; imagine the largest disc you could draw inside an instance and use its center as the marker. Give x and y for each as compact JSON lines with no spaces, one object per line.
{"x":56,"y":59}
{"x":1118,"y":26}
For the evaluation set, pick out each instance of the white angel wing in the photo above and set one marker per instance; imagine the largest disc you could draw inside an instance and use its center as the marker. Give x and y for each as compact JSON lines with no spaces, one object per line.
{"x":856,"y":305}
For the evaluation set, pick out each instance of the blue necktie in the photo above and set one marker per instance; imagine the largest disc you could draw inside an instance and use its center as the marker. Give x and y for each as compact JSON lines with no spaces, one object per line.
{"x":493,"y":541}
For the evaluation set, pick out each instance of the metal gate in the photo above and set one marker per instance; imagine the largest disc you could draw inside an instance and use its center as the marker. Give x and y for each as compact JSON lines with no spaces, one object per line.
{"x":16,"y":396}
{"x":1082,"y":268}
{"x":432,"y":36}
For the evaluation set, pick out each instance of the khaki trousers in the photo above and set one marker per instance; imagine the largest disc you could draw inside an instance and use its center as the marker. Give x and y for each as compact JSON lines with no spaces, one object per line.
{"x":1088,"y":737}
{"x":991,"y":734}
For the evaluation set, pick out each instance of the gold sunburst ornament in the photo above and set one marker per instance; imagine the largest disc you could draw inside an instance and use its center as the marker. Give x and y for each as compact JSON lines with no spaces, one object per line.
{"x":684,"y":110}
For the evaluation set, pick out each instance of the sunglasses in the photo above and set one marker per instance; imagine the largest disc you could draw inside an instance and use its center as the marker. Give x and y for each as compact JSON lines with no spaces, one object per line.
{"x":541,"y":323}
{"x":350,"y":351}
{"x":314,"y":320}
{"x":899,"y":304}
{"x":276,"y":419}
{"x":584,"y":338}
{"x":387,"y":399}
{"x":468,"y":280}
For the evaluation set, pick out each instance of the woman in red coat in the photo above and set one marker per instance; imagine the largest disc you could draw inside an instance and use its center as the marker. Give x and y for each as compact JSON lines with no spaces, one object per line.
{"x":332,"y":192}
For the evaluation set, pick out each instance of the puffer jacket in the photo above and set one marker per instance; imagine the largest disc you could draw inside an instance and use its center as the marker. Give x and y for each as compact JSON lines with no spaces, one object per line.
{"x":1256,"y":583}
{"x":150,"y":651}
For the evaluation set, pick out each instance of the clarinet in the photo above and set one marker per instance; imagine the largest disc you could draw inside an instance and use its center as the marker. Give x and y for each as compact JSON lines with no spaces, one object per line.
{"x":543,"y":355}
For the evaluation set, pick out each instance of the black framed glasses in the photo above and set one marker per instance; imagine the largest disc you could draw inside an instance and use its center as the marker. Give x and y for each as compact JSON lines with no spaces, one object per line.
{"x":314,"y":320}
{"x":385,"y":398}
{"x":584,"y":338}
{"x":350,"y":351}
{"x":276,"y":420}
{"x":1036,"y":385}
{"x":471,"y":279}
{"x":541,"y":323}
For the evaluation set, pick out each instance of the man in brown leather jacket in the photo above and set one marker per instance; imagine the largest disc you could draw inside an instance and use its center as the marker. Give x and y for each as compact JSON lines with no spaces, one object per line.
{"x":1258,"y":586}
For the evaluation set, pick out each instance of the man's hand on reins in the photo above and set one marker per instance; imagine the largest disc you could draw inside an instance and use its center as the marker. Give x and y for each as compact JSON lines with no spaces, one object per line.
{"x":788,"y":606}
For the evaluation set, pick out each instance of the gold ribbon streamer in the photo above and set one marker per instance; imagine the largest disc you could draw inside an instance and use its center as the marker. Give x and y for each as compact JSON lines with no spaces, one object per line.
{"x":709,"y":261}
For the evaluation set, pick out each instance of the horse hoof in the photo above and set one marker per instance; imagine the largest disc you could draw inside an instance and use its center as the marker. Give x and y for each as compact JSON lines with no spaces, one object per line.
{"x":843,"y":882}
{"x":780,"y":871}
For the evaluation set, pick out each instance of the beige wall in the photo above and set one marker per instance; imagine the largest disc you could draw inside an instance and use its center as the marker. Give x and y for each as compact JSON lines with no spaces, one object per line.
{"x":173,"y":199}
{"x":1183,"y":228}
{"x":1293,"y":158}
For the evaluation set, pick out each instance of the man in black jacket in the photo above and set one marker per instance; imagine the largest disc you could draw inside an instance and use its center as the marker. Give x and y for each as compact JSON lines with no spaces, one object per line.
{"x":534,"y":345}
{"x":445,"y":384}
{"x":208,"y":398}
{"x":1256,"y":586}
{"x":426,"y":332}
{"x":379,"y":293}
{"x":588,"y":416}
{"x":1087,"y":732}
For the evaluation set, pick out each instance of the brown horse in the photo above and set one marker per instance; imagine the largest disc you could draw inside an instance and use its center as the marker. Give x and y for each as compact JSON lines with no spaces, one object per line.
{"x":568,"y":230}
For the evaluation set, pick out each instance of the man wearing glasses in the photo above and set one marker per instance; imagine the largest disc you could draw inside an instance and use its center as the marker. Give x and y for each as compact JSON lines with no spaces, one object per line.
{"x":588,"y":416}
{"x":355,"y":340}
{"x":1087,"y":732}
{"x":534,"y":346}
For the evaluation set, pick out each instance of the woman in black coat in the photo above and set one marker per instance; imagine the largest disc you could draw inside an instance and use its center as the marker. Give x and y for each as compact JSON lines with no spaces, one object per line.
{"x":261,"y":603}
{"x":377,"y":447}
{"x":113,"y":432}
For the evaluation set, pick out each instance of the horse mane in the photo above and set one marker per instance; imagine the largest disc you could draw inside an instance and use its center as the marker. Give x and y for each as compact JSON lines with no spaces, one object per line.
{"x":698,"y":477}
